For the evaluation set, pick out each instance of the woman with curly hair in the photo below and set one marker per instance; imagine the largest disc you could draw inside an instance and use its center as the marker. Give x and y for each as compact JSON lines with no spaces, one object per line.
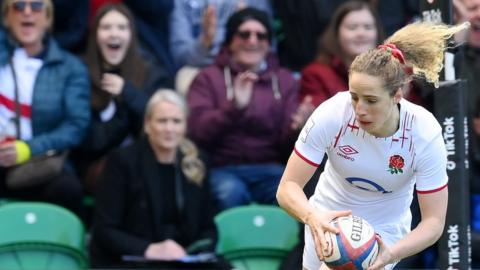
{"x":379,"y":146}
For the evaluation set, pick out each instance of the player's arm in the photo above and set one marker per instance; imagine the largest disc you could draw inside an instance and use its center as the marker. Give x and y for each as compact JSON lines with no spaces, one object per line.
{"x":433,"y":209}
{"x":290,"y":193}
{"x":291,"y":197}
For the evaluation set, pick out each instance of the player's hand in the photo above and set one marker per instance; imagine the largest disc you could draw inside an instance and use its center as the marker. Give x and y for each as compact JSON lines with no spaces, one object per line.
{"x":112,"y":83}
{"x":166,"y":250}
{"x":319,"y":223}
{"x":384,"y":256}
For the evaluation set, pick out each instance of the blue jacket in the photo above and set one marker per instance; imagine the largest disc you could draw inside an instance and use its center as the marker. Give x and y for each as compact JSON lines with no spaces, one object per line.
{"x":61,"y":99}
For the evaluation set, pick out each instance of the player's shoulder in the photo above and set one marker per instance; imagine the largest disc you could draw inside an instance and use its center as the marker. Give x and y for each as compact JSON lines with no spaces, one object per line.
{"x":425,"y":125}
{"x":332,"y":109}
{"x":340,"y":100}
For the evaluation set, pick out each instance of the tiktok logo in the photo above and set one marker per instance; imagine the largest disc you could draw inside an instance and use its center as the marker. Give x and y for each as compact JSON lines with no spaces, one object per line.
{"x":366,"y":184}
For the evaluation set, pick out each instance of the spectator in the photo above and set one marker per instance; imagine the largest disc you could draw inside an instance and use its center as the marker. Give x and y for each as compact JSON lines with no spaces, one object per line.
{"x":302,"y":22}
{"x":71,"y":24}
{"x":198,"y":28}
{"x":242,"y":109}
{"x":354,"y":28}
{"x":153,"y":21}
{"x":122,"y":82}
{"x":94,"y":5}
{"x":396,"y":14}
{"x":153,"y":200}
{"x":51,"y":87}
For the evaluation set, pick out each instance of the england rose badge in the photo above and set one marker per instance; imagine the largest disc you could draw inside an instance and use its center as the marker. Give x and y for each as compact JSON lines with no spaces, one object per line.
{"x":395,"y":164}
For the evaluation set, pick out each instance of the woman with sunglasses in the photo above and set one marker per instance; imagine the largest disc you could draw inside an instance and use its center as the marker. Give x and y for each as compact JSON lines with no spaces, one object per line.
{"x":380,"y":148}
{"x":50,"y":86}
{"x":241,"y":109}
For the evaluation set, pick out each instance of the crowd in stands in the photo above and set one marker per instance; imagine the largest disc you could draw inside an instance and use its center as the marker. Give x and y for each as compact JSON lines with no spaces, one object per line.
{"x":93,"y":79}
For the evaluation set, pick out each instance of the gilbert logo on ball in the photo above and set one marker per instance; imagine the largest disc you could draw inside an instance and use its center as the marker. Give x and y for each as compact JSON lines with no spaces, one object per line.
{"x":354,"y":247}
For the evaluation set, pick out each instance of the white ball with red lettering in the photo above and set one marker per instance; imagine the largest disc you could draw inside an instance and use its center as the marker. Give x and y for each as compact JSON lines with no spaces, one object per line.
{"x":354,"y":247}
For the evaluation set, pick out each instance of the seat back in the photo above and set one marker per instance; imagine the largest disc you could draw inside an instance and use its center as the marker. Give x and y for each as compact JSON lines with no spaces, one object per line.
{"x":38,"y":235}
{"x":254,"y":230}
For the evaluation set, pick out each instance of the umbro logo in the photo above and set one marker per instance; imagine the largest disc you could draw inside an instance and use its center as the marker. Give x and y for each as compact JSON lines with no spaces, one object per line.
{"x":346,"y":151}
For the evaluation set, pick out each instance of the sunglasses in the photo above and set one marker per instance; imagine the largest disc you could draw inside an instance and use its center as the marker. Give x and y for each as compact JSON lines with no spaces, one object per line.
{"x":21,"y":6}
{"x":245,"y":35}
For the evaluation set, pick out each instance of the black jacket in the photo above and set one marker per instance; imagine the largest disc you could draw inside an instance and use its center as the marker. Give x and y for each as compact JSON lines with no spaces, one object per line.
{"x":128,"y":213}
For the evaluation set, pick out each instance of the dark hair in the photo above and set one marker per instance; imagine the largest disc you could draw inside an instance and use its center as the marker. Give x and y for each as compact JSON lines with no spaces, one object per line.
{"x":132,"y":68}
{"x":328,"y":45}
{"x":243,"y":15}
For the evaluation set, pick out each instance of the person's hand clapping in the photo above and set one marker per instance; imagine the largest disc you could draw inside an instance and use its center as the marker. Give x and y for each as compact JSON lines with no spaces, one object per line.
{"x":209,"y":27}
{"x":319,"y":223}
{"x":461,"y":14}
{"x":305,"y":109}
{"x":243,"y":88}
{"x":112,"y":83}
{"x":166,"y":250}
{"x":241,"y":5}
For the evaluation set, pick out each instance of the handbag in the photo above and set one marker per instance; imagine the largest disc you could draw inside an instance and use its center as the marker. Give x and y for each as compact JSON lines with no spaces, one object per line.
{"x":39,"y":169}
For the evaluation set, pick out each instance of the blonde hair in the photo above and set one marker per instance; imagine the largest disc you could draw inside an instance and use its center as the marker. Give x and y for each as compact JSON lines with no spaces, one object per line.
{"x":48,"y":7}
{"x":423,"y":46}
{"x":191,"y":164}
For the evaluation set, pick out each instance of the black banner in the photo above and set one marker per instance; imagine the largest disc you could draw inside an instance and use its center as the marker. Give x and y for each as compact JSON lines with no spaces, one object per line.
{"x":454,"y":245}
{"x":436,"y":11}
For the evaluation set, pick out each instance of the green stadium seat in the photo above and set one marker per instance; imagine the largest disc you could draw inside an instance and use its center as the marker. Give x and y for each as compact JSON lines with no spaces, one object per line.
{"x":38,"y":235}
{"x":255,"y":236}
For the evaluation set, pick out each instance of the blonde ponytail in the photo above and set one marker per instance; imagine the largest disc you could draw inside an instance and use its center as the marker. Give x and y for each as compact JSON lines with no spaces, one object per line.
{"x":421,"y":44}
{"x":192,"y":166}
{"x":424,"y":45}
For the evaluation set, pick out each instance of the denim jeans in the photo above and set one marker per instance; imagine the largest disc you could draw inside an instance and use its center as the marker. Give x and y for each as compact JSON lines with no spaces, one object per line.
{"x":242,"y":184}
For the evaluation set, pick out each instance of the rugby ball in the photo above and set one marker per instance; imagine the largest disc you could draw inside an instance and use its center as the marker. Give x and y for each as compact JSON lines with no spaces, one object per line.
{"x":354,"y":247}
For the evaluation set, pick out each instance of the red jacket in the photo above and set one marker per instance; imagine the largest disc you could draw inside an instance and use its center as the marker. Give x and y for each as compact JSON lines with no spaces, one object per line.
{"x":323,"y":81}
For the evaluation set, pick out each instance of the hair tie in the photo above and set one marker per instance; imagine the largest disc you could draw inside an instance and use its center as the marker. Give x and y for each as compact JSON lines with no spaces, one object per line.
{"x":392,"y":49}
{"x":395,"y":52}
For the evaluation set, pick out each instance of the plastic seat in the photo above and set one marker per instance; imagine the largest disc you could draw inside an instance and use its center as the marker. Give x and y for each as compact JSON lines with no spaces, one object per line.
{"x":40,"y":236}
{"x":256,"y":236}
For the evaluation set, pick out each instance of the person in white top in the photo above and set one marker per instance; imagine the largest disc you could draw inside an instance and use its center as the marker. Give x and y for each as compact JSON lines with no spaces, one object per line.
{"x":379,"y":146}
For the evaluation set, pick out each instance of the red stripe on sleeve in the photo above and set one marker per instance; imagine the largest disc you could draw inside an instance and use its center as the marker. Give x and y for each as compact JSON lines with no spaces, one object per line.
{"x":305,"y":159}
{"x":431,"y":191}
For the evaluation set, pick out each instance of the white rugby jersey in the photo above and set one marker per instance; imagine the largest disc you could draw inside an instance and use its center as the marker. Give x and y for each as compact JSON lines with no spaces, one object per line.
{"x":374,"y":177}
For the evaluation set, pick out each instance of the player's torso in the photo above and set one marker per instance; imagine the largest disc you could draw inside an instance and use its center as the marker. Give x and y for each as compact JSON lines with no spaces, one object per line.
{"x":368,"y":163}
